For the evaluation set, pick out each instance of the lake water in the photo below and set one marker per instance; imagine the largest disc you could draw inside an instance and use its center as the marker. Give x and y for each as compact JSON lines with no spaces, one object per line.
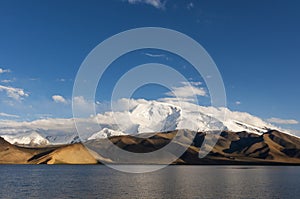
{"x":98,"y":181}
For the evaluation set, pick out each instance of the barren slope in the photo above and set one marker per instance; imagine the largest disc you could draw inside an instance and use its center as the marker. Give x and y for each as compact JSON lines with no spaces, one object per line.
{"x":272,"y":147}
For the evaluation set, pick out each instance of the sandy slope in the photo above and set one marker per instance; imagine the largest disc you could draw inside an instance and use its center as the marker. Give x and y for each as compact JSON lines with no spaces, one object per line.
{"x":70,"y":154}
{"x":65,"y":154}
{"x":10,"y":154}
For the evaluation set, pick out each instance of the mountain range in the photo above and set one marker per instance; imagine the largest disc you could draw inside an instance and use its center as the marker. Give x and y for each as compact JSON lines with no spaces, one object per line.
{"x":142,"y":126}
{"x":133,"y":117}
{"x":270,"y":148}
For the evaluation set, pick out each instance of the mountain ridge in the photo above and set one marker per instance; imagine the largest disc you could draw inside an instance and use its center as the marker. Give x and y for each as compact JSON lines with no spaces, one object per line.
{"x":236,"y":148}
{"x":134,"y":117}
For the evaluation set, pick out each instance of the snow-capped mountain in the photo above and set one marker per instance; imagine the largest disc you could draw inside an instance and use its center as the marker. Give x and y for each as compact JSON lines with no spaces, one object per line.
{"x":104,"y":133}
{"x":62,"y":138}
{"x":133,"y":117}
{"x":27,"y":138}
{"x":144,"y":116}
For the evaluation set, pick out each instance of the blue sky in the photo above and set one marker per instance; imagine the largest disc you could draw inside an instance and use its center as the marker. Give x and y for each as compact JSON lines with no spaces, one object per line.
{"x":255,"y":45}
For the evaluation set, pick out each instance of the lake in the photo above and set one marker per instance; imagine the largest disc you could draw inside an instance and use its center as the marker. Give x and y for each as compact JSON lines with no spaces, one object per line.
{"x":98,"y":181}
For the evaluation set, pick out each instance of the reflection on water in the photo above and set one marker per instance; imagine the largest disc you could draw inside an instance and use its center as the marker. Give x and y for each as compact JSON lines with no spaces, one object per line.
{"x":97,"y":181}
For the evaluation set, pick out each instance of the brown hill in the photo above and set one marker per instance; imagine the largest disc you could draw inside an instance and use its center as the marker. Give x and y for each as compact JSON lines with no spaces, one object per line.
{"x":272,"y":147}
{"x":11,"y":154}
{"x":269,"y":148}
{"x":63,"y":154}
{"x":69,"y":154}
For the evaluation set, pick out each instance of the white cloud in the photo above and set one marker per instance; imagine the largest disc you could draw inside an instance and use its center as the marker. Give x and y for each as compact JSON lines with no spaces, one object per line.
{"x":33,"y":79}
{"x":45,"y":127}
{"x":187,"y":92}
{"x":8,"y":115}
{"x":282,"y":121}
{"x":7,"y":81}
{"x":81,"y":101}
{"x":238,"y":102}
{"x":178,"y":99}
{"x":4,"y":70}
{"x":15,"y":93}
{"x":154,"y":55}
{"x":83,"y":107}
{"x":59,"y":99}
{"x":159,"y":4}
{"x":191,"y":83}
{"x":61,"y":80}
{"x":43,"y":115}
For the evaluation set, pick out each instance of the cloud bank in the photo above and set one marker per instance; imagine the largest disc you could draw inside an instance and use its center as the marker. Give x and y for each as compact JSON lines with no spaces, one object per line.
{"x":282,"y":121}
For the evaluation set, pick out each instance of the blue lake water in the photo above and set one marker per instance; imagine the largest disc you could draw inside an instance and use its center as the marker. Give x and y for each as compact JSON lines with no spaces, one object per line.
{"x":98,"y":181}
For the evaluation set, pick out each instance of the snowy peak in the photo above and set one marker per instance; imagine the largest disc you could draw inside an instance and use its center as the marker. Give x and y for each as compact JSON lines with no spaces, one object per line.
{"x":133,"y":117}
{"x":29,"y":138}
{"x":63,"y":138}
{"x":155,"y":116}
{"x":105,"y":133}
